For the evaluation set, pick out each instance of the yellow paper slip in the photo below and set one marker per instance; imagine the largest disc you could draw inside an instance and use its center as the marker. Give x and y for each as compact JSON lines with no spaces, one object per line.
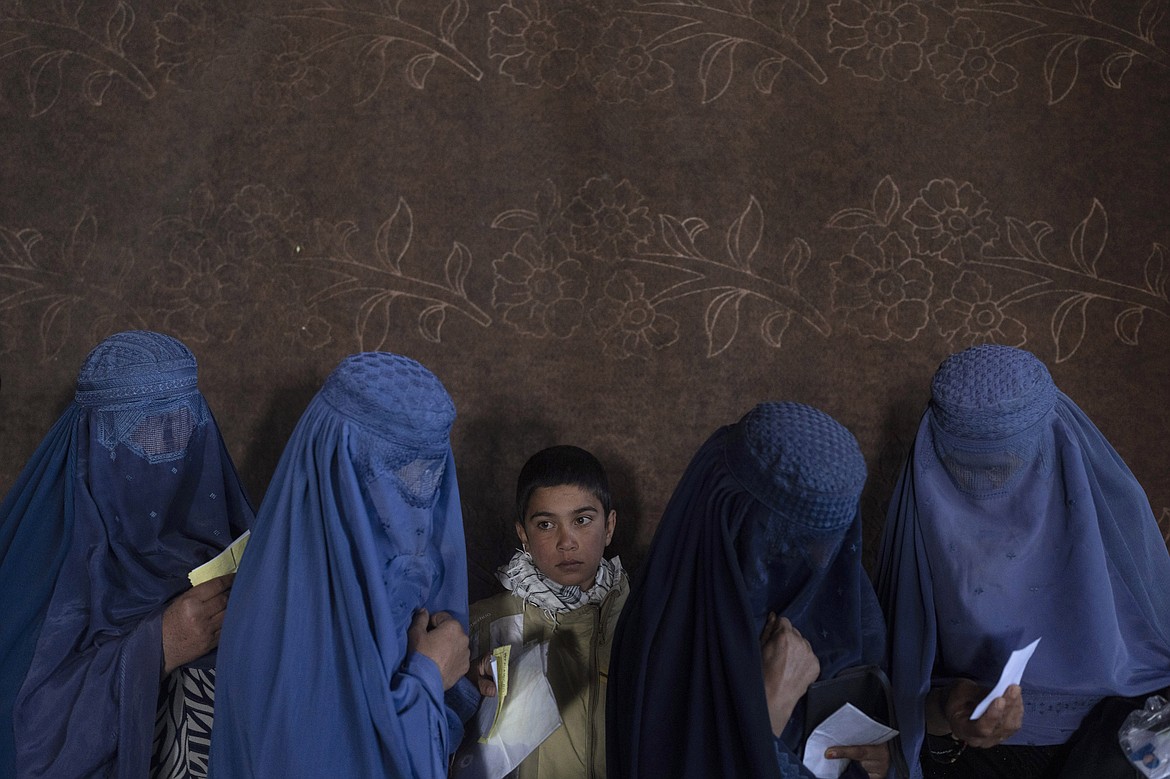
{"x":500,"y":657}
{"x":223,"y":563}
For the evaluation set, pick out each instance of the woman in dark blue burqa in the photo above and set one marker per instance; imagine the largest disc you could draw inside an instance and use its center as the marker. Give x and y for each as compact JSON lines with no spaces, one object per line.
{"x":130,"y":490}
{"x":1014,"y":519}
{"x":348,"y":616}
{"x":755,"y":568}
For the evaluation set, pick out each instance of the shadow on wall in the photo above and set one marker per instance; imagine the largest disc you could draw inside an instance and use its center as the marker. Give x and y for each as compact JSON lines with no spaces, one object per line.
{"x":899,"y":428}
{"x":268,"y":439}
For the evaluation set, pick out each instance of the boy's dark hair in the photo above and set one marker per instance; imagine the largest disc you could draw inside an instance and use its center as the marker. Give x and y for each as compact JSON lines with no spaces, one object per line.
{"x":559,"y":465}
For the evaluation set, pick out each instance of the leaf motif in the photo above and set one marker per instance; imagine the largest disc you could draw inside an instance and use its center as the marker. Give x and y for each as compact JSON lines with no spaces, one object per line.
{"x":44,"y":81}
{"x":548,"y":201}
{"x":854,"y":219}
{"x":1068,"y":325}
{"x":16,"y":247}
{"x":1025,"y":239}
{"x":886,"y":201}
{"x":1115,"y":67}
{"x":716,"y":67}
{"x":457,"y":265}
{"x":119,"y":24}
{"x":373,"y":321}
{"x":371,"y":69}
{"x":765,"y":73}
{"x":1088,"y":239}
{"x":1061,"y":67}
{"x":79,"y":247}
{"x":56,"y":323}
{"x":419,"y":68}
{"x":743,"y":237}
{"x":430,"y":322}
{"x":794,"y":262}
{"x":200,"y":204}
{"x":1155,"y":271}
{"x":95,"y":85}
{"x":452,"y":19}
{"x":676,"y":237}
{"x":1149,"y":17}
{"x":516,"y":219}
{"x":1127,"y":323}
{"x":774,"y":326}
{"x":791,"y":12}
{"x":394,"y":237}
{"x":722,"y":320}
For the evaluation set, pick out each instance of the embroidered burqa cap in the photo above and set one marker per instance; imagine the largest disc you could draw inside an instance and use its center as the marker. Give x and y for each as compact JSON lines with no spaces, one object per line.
{"x":1014,"y":519}
{"x":765,"y":519}
{"x":360,"y":528}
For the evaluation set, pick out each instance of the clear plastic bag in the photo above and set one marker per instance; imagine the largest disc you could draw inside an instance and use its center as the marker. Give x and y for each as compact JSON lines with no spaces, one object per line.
{"x":1145,"y":738}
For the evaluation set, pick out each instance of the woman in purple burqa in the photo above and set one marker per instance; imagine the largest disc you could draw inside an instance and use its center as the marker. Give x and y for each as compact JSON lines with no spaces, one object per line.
{"x":130,"y":490}
{"x":1015,"y":520}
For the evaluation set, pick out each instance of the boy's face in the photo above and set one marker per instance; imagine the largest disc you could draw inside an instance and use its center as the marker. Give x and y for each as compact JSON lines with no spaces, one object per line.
{"x":566,"y":532}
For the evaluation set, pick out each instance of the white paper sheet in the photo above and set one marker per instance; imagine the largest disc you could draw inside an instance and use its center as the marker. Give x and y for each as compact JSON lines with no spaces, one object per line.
{"x":848,"y":726}
{"x":1013,"y":672}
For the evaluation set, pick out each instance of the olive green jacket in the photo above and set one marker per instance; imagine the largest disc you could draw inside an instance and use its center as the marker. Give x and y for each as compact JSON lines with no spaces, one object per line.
{"x":578,"y":666}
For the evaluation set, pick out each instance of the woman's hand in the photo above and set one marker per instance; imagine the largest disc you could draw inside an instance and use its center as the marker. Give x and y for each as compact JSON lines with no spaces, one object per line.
{"x":192,"y":622}
{"x":480,"y":675}
{"x":1002,"y":719}
{"x":874,"y":759}
{"x":790,"y":666}
{"x":441,"y":638}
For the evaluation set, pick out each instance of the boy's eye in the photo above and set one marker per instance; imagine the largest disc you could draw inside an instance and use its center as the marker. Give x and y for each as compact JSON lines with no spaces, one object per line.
{"x":544,"y":525}
{"x":584,"y":520}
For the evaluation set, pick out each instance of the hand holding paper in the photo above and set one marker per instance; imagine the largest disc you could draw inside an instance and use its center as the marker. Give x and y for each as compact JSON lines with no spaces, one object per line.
{"x":1013,"y":672}
{"x":847,"y":726}
{"x":223,"y":563}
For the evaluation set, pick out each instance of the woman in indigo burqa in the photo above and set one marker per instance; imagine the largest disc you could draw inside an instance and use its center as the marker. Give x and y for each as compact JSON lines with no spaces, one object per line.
{"x":1014,"y":519}
{"x":131,"y":489}
{"x":348,"y":618}
{"x":752,"y":590}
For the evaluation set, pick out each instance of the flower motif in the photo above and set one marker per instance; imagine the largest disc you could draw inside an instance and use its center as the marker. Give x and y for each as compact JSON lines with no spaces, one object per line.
{"x":205,"y":295}
{"x":537,"y":47}
{"x":971,"y":317}
{"x":627,"y":69}
{"x":950,"y":221}
{"x":189,"y":41}
{"x":540,"y":288}
{"x":287,"y":76}
{"x":967,"y":69}
{"x":877,"y":38}
{"x":261,"y":219}
{"x":632,"y":327}
{"x":609,"y":221}
{"x":882,"y":289}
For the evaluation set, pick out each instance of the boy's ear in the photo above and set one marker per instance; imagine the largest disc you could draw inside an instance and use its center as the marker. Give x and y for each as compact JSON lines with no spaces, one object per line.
{"x":523,"y":535}
{"x":610,"y":524}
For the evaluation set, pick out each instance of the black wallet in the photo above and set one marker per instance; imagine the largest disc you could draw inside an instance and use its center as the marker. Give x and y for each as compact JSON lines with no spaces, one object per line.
{"x":867,"y":688}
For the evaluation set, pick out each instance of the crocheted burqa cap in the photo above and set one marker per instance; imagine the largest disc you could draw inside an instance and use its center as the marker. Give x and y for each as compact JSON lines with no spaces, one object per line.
{"x":136,"y":365}
{"x":396,"y":399}
{"x":990,"y":392}
{"x":798,"y":461}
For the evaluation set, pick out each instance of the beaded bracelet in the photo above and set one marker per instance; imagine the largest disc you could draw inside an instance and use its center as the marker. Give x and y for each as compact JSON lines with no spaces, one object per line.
{"x":949,"y":753}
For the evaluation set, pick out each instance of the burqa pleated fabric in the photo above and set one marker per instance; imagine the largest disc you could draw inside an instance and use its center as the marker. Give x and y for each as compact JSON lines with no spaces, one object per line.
{"x":765,"y":518}
{"x":1014,"y":519}
{"x":360,"y":528}
{"x":131,"y":489}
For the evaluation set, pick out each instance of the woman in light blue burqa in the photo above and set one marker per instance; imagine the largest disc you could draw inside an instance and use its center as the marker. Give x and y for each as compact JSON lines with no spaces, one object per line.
{"x":349,"y":611}
{"x":1015,"y":520}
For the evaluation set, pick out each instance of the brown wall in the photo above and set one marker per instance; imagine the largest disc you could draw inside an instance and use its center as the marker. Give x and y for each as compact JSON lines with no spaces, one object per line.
{"x":615,"y":224}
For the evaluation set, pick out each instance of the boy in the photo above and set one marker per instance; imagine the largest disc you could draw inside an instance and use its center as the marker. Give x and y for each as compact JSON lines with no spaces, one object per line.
{"x":560,"y":589}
